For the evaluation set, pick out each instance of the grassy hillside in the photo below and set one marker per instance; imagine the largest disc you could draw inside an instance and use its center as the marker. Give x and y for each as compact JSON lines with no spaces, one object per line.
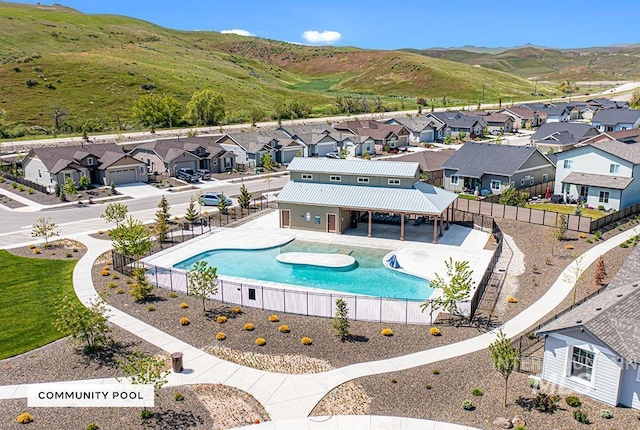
{"x":95,"y":66}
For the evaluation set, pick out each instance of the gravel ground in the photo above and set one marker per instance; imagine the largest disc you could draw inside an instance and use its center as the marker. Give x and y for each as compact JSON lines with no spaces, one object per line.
{"x":51,"y":199}
{"x":57,"y":250}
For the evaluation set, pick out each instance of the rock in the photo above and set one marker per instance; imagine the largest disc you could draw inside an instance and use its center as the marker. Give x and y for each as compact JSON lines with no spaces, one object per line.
{"x":503,"y":423}
{"x":518,"y":421}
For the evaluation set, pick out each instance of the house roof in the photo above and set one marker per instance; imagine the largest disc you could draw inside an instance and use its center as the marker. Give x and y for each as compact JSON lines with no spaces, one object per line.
{"x":594,"y":180}
{"x":310,"y":134}
{"x":422,"y":198}
{"x":390,"y":169}
{"x":476,"y":159}
{"x":608,"y":103}
{"x":612,"y":316}
{"x":456,"y":119}
{"x":616,"y":116}
{"x":630,"y":135}
{"x":418,"y":123}
{"x":374,"y":129}
{"x":562,"y":133}
{"x":429,"y":160}
{"x":170,"y":148}
{"x":522,"y":112}
{"x":58,"y":158}
{"x":256,"y":141}
{"x":629,"y":151}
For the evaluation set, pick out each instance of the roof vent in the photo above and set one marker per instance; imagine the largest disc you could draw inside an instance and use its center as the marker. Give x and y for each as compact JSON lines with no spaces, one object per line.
{"x":598,"y":309}
{"x":579,"y":322}
{"x":619,"y":295}
{"x":634,"y":285}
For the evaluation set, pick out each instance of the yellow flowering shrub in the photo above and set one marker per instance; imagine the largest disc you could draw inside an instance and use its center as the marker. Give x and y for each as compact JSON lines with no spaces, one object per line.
{"x":184,"y":321}
{"x":274,"y":318}
{"x":386,"y":332}
{"x":260,"y":341}
{"x":221,"y":319}
{"x":249,"y":327}
{"x":183,"y":305}
{"x":236,"y":310}
{"x":220,"y":336}
{"x":284,"y":328}
{"x":512,"y":299}
{"x":24,"y":418}
{"x":306,"y":341}
{"x":434,"y":331}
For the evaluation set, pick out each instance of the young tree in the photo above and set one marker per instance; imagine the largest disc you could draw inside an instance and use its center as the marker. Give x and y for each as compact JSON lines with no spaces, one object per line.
{"x":84,"y":182}
{"x":131,"y":238}
{"x":162,"y":219}
{"x":634,"y":103}
{"x":69,"y":187}
{"x":145,"y":369}
{"x":505,"y":359}
{"x":244,"y":199}
{"x":141,"y":288}
{"x":115,"y":212}
{"x":88,"y":326}
{"x":600,"y":272}
{"x":366,"y":155}
{"x":206,"y":107}
{"x":202,"y":281}
{"x":44,"y":227}
{"x":456,"y":287}
{"x":574,"y":275}
{"x":512,"y":197}
{"x":223,"y":204}
{"x":561,"y":227}
{"x":192,"y":213}
{"x":266,"y":161}
{"x":340,"y":321}
{"x":499,"y":138}
{"x":344,"y":152}
{"x":113,"y":188}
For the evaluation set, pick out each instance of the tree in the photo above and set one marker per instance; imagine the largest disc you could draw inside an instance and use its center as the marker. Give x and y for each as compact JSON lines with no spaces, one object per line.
{"x":144,"y":369}
{"x":366,"y":155}
{"x":59,"y":115}
{"x":192,"y":213}
{"x":202,"y":281}
{"x":140,"y":289}
{"x":574,"y":275}
{"x":157,"y":111}
{"x":600,"y":272}
{"x":568,"y":87}
{"x":115,"y":212}
{"x":162,"y":219}
{"x":69,"y":187}
{"x":84,"y":182}
{"x":634,"y":102}
{"x":131,"y":238}
{"x":88,"y":326}
{"x":113,"y":188}
{"x":505,"y":359}
{"x":456,"y":287}
{"x":512,"y":197}
{"x":223,"y":204}
{"x":561,"y":227}
{"x":340,"y":321}
{"x":266,"y":161}
{"x":344,"y":152}
{"x":44,"y":227}
{"x":244,"y":199}
{"x":256,"y":114}
{"x":206,"y":107}
{"x":499,"y":138}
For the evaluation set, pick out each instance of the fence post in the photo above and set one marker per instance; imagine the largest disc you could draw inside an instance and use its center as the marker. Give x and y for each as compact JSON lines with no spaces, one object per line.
{"x":222,"y":290}
{"x":186,"y":276}
{"x":156,"y":269}
{"x":307,"y":303}
{"x":171,"y":280}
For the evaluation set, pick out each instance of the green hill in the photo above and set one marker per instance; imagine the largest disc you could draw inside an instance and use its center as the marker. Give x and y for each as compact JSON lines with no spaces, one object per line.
{"x":95,"y":66}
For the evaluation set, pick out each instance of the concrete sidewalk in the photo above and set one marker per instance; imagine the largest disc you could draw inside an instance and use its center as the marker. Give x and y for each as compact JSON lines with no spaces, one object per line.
{"x":355,"y":422}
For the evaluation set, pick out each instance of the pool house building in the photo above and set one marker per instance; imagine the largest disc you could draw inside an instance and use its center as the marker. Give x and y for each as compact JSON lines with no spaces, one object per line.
{"x":332,"y":195}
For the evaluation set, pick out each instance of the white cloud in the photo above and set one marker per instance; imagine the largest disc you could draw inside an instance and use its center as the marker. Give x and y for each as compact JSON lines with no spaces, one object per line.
{"x":237,"y":31}
{"x":327,"y":37}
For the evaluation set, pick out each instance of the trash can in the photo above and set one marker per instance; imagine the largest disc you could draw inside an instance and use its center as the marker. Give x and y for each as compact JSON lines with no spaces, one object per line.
{"x":176,"y":362}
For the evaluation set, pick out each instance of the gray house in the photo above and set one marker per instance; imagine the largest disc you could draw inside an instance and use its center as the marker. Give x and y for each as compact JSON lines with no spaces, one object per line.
{"x":249,"y":148}
{"x":594,"y":349}
{"x":456,"y":123}
{"x":616,"y":119}
{"x":422,"y":129}
{"x":560,"y":136}
{"x":487,"y":168}
{"x":316,"y":140}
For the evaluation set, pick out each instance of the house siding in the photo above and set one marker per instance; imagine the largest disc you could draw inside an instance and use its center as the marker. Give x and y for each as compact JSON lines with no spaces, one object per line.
{"x":374,"y":181}
{"x":298,"y":216}
{"x":155,"y":163}
{"x":630,"y":387}
{"x":31,"y":166}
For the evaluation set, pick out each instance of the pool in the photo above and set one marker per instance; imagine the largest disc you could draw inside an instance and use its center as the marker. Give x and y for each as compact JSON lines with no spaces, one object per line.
{"x":367,"y":276}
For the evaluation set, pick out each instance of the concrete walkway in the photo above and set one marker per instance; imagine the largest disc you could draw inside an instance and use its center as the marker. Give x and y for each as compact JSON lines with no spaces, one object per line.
{"x":294,"y":396}
{"x":359,"y":422}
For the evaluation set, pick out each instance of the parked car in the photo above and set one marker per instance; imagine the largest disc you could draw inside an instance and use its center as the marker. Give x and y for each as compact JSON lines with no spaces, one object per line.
{"x":187,"y":174}
{"x":212,"y":199}
{"x":204,"y":173}
{"x":332,"y":155}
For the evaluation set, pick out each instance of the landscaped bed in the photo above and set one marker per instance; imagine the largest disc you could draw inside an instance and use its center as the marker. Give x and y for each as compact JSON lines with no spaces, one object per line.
{"x":568,"y":209}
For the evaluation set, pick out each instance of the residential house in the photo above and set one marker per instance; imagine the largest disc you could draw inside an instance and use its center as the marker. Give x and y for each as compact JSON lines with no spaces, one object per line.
{"x":332,"y":195}
{"x":559,"y":112}
{"x":594,"y":349}
{"x":525,"y":118}
{"x":316,"y":140}
{"x":431,"y":162}
{"x":487,"y":168}
{"x":393,"y":135}
{"x":250,"y":147}
{"x":422,"y":129}
{"x":604,"y":173}
{"x":357,"y":146}
{"x":628,"y":136}
{"x":456,"y":123}
{"x":165,"y":156}
{"x":616,"y":119}
{"x":103,"y":163}
{"x":496,"y":122}
{"x":560,"y":136}
{"x":603,"y":103}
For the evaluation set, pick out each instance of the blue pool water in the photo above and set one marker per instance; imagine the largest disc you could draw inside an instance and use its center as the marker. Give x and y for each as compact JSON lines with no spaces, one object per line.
{"x":367,"y":276}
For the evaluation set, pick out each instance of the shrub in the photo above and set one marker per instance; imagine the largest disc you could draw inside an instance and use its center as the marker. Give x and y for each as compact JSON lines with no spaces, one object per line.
{"x":92,"y":426}
{"x":236,"y":310}
{"x":32,"y":246}
{"x":145,"y":414}
{"x":24,"y":418}
{"x":173,"y":294}
{"x":435,"y":371}
{"x":31,"y":82}
{"x":100,"y":232}
{"x":37,"y":251}
{"x":220,"y":336}
{"x":274,"y":318}
{"x":284,"y":328}
{"x":104,"y":272}
{"x":589,"y":241}
{"x":184,"y":321}
{"x":306,"y":341}
{"x":477,"y":392}
{"x":569,"y":246}
{"x":31,"y":190}
{"x":260,"y":341}
{"x":434,"y":331}
{"x":606,"y":414}
{"x":114,"y":276}
{"x":249,"y":327}
{"x":14,"y":185}
{"x":119,"y":291}
{"x":600,"y":207}
{"x":386,"y":332}
{"x":582,"y":236}
{"x":221,"y":319}
{"x":573,"y":401}
{"x":394,"y":381}
{"x":546,"y":403}
{"x":581,"y":416}
{"x":178,"y":396}
{"x":511,"y":299}
{"x":428,"y":386}
{"x":183,"y":305}
{"x":467,"y":405}
{"x":112,"y":285}
{"x":534,"y":383}
{"x":151,"y":308}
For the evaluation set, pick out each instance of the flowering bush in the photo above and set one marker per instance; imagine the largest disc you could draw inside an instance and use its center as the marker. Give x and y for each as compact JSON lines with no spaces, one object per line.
{"x":184,"y":321}
{"x":386,"y":332}
{"x":434,"y":331}
{"x":249,"y":327}
{"x":284,"y":328}
{"x":583,"y":236}
{"x":220,"y":336}
{"x":569,"y":246}
{"x":183,"y":305}
{"x":274,"y":318}
{"x":511,"y":299}
{"x":104,"y":272}
{"x":24,"y":418}
{"x":32,"y":246}
{"x":306,"y":341}
{"x":36,"y":251}
{"x":236,"y":310}
{"x":260,"y":341}
{"x":221,"y":319}
{"x":151,"y":308}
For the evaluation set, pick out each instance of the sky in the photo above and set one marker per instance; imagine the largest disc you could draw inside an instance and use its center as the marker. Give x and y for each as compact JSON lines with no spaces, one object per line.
{"x":377,"y":24}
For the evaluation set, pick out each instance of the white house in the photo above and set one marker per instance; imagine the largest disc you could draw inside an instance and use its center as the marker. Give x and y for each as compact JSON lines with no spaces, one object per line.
{"x":605,"y":173}
{"x":616,"y":119}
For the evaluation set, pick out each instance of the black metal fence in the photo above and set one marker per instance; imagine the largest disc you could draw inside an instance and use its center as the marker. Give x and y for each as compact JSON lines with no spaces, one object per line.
{"x":20,"y":180}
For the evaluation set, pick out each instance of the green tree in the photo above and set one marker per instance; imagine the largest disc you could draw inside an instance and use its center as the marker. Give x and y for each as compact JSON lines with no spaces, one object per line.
{"x":366,"y":155}
{"x":115,"y":212}
{"x":256,"y":114}
{"x":203,"y":281}
{"x":223,"y":204}
{"x":206,"y":107}
{"x":568,"y":87}
{"x":634,"y":102}
{"x":344,"y":152}
{"x":131,"y":238}
{"x":113,"y":188}
{"x":266,"y":161}
{"x":141,"y":288}
{"x":157,"y":111}
{"x":44,"y":227}
{"x":499,"y":138}
{"x":244,"y":199}
{"x":162,"y":219}
{"x":340,"y":321}
{"x":505,"y":359}
{"x":192,"y":213}
{"x":561,"y":227}
{"x":84,"y":182}
{"x":88,"y":326}
{"x":455,"y":288}
{"x":69,"y":187}
{"x":145,"y":369}
{"x":298,"y":109}
{"x":512,"y":197}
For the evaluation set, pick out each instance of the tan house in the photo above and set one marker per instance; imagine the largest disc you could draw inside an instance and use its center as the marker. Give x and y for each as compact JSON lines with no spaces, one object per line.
{"x":394,"y":135}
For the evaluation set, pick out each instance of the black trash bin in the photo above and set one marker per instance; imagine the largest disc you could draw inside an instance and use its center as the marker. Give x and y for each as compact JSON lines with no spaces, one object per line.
{"x":176,"y":362}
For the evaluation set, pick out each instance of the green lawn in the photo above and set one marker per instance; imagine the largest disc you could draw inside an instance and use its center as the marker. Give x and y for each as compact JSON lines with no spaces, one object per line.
{"x":567,"y":209}
{"x":30,"y":290}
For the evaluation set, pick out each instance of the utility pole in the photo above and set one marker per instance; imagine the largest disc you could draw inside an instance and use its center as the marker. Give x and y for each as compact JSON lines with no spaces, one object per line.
{"x":482,"y":93}
{"x":535,"y":87}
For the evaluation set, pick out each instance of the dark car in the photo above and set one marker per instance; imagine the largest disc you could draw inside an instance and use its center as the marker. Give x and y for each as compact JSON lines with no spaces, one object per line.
{"x":187,"y":174}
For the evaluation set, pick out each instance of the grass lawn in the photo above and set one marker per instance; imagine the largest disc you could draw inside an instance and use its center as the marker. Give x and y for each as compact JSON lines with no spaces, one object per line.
{"x":567,"y":209}
{"x":30,"y":290}
{"x":467,"y":196}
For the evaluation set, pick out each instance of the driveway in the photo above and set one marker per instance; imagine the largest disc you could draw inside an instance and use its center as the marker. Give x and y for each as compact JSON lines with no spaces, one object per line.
{"x":138,"y":190}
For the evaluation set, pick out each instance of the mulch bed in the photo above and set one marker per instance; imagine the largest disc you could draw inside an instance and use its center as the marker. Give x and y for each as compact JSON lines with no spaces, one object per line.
{"x":57,"y":250}
{"x":10,"y":203}
{"x":51,"y":199}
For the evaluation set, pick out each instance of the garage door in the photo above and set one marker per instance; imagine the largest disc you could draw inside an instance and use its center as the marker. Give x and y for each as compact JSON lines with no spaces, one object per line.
{"x":325,"y":149}
{"x":426,"y":136}
{"x":186,"y":164}
{"x":124,"y":175}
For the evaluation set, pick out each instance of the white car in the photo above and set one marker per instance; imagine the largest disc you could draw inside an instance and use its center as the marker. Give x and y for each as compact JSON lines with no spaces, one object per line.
{"x":213,"y":199}
{"x":332,"y":155}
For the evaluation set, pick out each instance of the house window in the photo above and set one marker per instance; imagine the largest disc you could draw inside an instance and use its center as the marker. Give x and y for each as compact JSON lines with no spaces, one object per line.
{"x":90,"y":161}
{"x":363,"y":180}
{"x":614,"y":168}
{"x":67,"y":175}
{"x":39,"y":174}
{"x":584,"y":192}
{"x":545,"y":178}
{"x":522,"y":182}
{"x":393,"y":181}
{"x":454,"y":180}
{"x":335,"y":178}
{"x":252,"y":293}
{"x":581,"y":364}
{"x":317,"y":219}
{"x":306,"y":176}
{"x":531,"y":180}
{"x":568,"y":164}
{"x":495,"y":185}
{"x":228,"y":163}
{"x":638,"y":376}
{"x":604,"y":197}
{"x":148,"y":162}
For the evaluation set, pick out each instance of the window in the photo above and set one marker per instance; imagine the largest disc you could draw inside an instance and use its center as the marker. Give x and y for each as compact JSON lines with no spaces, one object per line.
{"x":306,"y":176}
{"x":604,"y":197}
{"x":584,"y":191}
{"x":545,"y":178}
{"x":317,"y":219}
{"x":614,"y":168}
{"x":638,"y":377}
{"x":228,"y":162}
{"x":148,"y":162}
{"x":67,"y":175}
{"x":335,"y":178}
{"x":495,"y":185}
{"x":567,"y":188}
{"x":363,"y":180}
{"x":90,"y":161}
{"x":531,"y":180}
{"x":393,"y":181}
{"x":522,"y":182}
{"x":568,"y":164}
{"x":581,"y":364}
{"x":454,"y":180}
{"x":252,"y":293}
{"x":39,"y":174}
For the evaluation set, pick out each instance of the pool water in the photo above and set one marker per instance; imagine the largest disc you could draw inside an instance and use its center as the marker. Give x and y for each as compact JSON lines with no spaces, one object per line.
{"x":367,"y":276}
